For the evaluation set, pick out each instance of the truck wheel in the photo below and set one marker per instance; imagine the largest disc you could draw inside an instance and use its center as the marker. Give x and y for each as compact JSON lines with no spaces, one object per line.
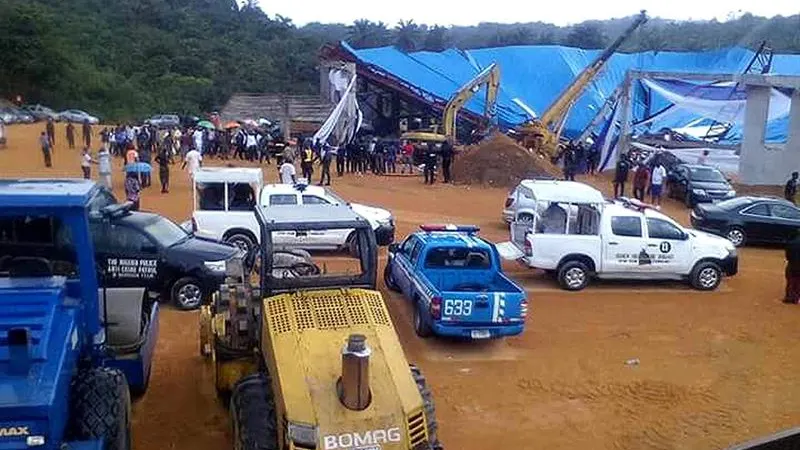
{"x":422,"y":328}
{"x":430,"y":409}
{"x":737,"y":236}
{"x":253,"y":414}
{"x":186,"y":293}
{"x":706,"y":276}
{"x":242,"y":241}
{"x":100,"y":408}
{"x":388,"y":278}
{"x":573,"y":275}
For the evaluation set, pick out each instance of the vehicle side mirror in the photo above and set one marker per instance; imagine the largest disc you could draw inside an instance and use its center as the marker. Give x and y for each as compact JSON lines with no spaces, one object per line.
{"x":684,"y":236}
{"x":394,"y":248}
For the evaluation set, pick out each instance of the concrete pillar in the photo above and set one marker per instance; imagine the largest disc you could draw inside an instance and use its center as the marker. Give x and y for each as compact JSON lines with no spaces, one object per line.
{"x":793,"y":140}
{"x":753,"y":158}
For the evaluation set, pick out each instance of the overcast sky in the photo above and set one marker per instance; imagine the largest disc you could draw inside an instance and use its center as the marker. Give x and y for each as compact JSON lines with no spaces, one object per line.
{"x":455,"y":12}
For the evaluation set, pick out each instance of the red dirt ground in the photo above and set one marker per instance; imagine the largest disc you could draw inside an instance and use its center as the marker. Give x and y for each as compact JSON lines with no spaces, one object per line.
{"x":715,"y":368}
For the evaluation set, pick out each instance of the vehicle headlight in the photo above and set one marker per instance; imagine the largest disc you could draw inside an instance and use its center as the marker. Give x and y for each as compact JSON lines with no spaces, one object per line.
{"x":698,"y":191}
{"x":215,"y":266}
{"x":731,"y":194}
{"x":389,"y":221}
{"x":302,"y":434}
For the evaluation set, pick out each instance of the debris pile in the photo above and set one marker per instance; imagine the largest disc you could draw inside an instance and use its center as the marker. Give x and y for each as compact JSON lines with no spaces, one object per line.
{"x":499,"y":161}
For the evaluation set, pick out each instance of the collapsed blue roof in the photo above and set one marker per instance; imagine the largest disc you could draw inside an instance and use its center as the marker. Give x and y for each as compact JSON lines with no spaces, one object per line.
{"x":538,"y":74}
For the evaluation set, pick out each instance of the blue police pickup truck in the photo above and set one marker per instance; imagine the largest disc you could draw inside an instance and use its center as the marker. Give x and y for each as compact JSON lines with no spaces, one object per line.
{"x":456,"y":284}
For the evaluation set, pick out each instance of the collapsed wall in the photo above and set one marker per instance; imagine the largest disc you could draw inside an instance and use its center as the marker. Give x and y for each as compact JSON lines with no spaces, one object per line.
{"x":500,"y":161}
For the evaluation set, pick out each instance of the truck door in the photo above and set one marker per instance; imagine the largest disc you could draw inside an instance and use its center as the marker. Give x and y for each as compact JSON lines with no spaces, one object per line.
{"x":668,"y":246}
{"x":623,"y":245}
{"x":286,"y":238}
{"x":129,"y":257}
{"x":324,"y":238}
{"x":402,"y":269}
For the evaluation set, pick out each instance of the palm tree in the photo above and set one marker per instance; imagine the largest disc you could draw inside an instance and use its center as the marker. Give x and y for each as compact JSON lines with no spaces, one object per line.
{"x":407,"y":35}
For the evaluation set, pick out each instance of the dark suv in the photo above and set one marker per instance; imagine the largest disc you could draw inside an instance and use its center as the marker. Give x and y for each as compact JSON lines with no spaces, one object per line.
{"x":695,"y":184}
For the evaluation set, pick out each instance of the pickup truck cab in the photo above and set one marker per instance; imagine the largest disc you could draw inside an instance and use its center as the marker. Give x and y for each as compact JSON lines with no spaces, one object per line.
{"x":456,"y":284}
{"x":579,"y":236}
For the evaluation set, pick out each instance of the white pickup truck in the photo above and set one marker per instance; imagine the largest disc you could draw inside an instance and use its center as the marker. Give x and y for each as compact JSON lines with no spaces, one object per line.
{"x":577,"y":235}
{"x":224,"y":198}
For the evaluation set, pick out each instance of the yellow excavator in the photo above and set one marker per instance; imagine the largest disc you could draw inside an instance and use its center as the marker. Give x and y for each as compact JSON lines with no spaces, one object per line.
{"x":542,"y":134}
{"x":490,"y":77}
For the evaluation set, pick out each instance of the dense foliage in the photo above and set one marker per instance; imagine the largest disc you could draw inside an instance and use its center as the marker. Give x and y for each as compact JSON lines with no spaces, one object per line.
{"x":130,"y":58}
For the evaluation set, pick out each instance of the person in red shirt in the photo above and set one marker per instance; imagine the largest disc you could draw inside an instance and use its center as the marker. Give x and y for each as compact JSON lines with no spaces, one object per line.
{"x":640,"y":180}
{"x":407,"y":158}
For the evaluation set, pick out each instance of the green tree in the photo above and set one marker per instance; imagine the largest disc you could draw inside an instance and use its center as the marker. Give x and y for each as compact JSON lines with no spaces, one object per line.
{"x":407,"y":35}
{"x":588,"y":35}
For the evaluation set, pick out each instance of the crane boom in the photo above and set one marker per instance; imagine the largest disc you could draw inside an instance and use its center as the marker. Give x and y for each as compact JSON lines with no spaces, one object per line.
{"x":563,"y":102}
{"x":490,"y":77}
{"x":541,"y":134}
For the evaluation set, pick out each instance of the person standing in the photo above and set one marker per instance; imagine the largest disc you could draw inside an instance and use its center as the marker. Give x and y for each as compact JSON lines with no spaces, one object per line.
{"x":104,"y":167}
{"x":593,"y":159}
{"x":407,"y":158}
{"x":44,"y":140}
{"x":326,"y":157}
{"x":430,"y":164}
{"x":193,"y":160}
{"x":163,"y":159}
{"x":657,"y":183}
{"x":287,"y":172}
{"x":341,"y":158}
{"x":621,"y":176}
{"x":790,"y":190}
{"x":702,"y":160}
{"x":87,"y":133}
{"x":86,"y":163}
{"x":50,"y":129}
{"x":70,"y":136}
{"x":570,"y":162}
{"x":792,"y":272}
{"x":447,"y":160}
{"x":641,"y":177}
{"x":307,"y":163}
{"x":133,"y":189}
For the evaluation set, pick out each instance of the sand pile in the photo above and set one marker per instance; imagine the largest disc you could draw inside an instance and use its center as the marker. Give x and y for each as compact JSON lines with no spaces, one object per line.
{"x":500,"y":161}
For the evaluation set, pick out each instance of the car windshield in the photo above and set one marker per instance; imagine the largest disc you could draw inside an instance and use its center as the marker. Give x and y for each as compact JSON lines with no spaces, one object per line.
{"x":336,"y":198}
{"x":166,"y":232}
{"x":707,"y":174}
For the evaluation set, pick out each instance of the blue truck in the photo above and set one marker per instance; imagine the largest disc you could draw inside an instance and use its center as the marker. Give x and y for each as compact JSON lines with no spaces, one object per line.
{"x":71,"y":354}
{"x":456,"y":284}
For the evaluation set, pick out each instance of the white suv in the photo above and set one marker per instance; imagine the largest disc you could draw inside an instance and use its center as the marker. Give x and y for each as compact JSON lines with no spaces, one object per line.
{"x":223,"y":209}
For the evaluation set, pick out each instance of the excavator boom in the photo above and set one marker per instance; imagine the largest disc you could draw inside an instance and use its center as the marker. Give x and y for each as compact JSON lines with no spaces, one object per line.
{"x":490,"y":77}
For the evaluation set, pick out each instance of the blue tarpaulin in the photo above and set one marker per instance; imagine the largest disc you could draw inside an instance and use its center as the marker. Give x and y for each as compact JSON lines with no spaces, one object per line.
{"x":536,"y":75}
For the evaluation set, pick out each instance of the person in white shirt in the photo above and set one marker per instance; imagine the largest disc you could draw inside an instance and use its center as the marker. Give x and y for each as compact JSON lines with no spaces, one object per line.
{"x":657,"y":183}
{"x":198,"y":140}
{"x":703,"y":158}
{"x":192,"y":159}
{"x":287,"y":172}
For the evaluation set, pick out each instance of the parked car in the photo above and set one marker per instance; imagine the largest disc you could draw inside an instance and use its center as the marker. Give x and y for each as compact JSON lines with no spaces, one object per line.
{"x":77,"y":116}
{"x":40,"y":112}
{"x":164,"y":121}
{"x":695,"y":184}
{"x":7,"y":117}
{"x":132,"y":249}
{"x":749,"y":219}
{"x":189,"y":121}
{"x":456,"y":285}
{"x":17,"y":115}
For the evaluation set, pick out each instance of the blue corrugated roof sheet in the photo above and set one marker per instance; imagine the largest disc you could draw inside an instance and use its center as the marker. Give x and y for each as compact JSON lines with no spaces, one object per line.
{"x":538,"y":74}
